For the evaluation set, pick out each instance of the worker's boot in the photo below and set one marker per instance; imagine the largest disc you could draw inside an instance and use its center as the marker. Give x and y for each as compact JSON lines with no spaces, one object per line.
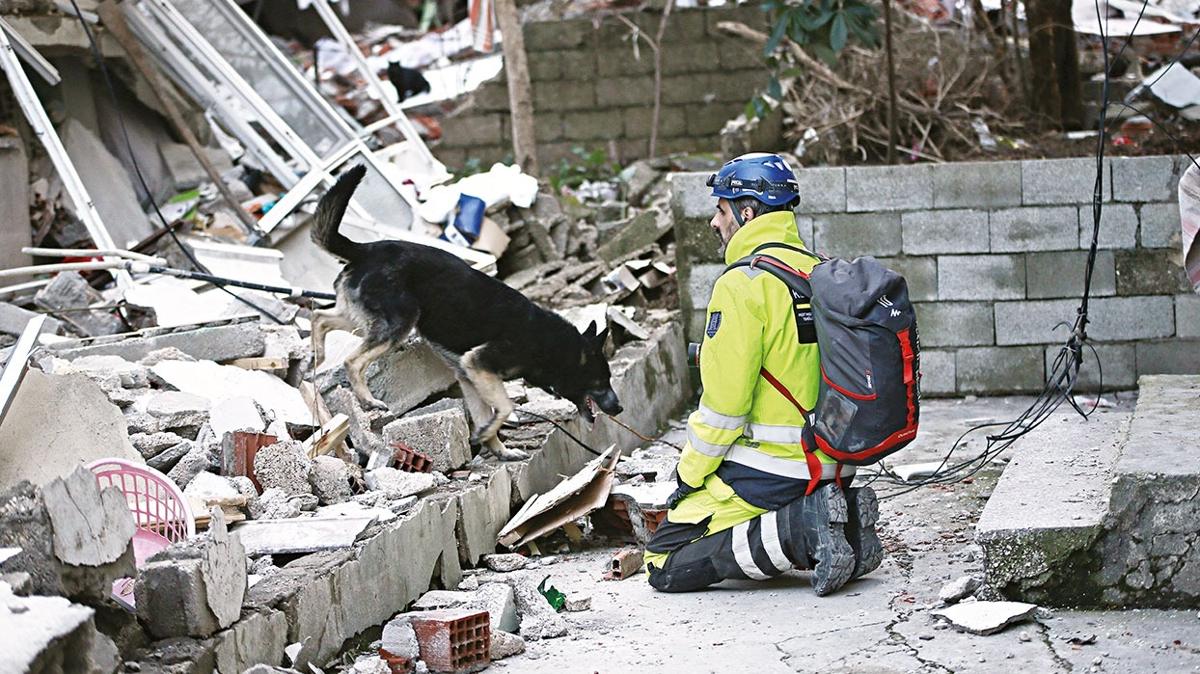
{"x":812,"y":530}
{"x":863,"y":510}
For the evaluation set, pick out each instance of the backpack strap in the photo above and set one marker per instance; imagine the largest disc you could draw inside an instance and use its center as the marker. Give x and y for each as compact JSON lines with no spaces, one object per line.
{"x":786,"y":246}
{"x":794,"y":279}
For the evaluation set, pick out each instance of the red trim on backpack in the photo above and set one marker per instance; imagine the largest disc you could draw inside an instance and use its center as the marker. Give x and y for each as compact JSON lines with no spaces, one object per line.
{"x":783,"y":391}
{"x":815,"y":470}
{"x":839,"y":389}
{"x":902,"y":435}
{"x":778,"y":265}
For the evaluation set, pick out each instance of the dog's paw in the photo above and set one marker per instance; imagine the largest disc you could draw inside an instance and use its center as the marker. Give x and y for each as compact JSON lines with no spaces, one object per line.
{"x":506,"y":454}
{"x":375,"y":404}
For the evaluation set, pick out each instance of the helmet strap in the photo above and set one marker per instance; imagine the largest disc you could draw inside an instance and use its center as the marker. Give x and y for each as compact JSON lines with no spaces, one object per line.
{"x":737,"y":215}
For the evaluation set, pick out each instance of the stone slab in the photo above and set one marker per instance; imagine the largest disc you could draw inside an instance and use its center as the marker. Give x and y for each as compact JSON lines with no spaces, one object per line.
{"x":1050,"y":504}
{"x":242,"y":339}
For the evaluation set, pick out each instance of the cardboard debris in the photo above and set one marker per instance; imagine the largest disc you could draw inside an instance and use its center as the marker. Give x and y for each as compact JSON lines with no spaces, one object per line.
{"x":571,"y":499}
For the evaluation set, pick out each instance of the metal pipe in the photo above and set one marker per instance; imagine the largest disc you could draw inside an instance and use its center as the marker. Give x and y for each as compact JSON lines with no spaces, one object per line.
{"x":88,"y":252}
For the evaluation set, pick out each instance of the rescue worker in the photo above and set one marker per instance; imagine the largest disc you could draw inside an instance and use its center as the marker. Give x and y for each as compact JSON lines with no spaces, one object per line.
{"x":741,"y":509}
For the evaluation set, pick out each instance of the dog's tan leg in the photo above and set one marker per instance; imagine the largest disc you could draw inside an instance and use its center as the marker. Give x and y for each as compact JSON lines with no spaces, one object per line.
{"x":490,"y":389}
{"x":324,"y":320}
{"x":356,"y":367}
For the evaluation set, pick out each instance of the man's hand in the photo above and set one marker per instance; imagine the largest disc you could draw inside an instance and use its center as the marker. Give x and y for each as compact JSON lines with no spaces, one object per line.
{"x":680,"y":492}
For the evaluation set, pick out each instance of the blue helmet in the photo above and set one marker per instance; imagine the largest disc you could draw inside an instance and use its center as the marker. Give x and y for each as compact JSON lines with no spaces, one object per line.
{"x":762,"y":175}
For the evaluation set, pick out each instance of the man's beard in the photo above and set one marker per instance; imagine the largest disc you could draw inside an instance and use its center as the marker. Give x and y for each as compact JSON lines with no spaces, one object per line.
{"x":721,"y":243}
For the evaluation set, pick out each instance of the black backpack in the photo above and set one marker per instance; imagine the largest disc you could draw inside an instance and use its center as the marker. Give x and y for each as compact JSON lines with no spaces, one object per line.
{"x":869,"y":400}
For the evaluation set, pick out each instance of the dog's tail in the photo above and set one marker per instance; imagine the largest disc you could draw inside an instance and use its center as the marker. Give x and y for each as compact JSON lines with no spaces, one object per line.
{"x":330,"y":211}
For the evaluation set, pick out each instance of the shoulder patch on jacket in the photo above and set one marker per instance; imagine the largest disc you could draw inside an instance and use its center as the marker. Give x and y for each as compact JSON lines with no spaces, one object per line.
{"x":714,"y":324}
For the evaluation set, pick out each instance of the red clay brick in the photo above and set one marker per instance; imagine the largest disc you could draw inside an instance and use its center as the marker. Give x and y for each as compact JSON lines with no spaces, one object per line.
{"x":453,"y":640}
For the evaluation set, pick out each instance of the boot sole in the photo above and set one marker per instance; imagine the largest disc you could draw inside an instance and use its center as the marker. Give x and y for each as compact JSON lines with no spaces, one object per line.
{"x":863,"y":539}
{"x":834,"y":558}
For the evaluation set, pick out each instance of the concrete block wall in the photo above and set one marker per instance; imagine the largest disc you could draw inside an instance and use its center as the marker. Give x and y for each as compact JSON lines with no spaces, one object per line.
{"x":594,"y":88}
{"x":994,"y":255}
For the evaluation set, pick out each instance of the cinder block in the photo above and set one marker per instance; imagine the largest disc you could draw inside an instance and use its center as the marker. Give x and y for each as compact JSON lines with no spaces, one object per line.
{"x":621,"y":62}
{"x":692,"y":88}
{"x":1111,"y":319}
{"x":1060,"y":274}
{"x":1144,"y":178}
{"x":548,"y":126}
{"x":597,"y":125}
{"x":1187,"y":315}
{"x":937,"y":372}
{"x":1118,"y":226}
{"x":686,"y":57}
{"x":822,"y":190}
{"x":737,"y":55}
{"x":672,"y":122}
{"x":686,"y":25}
{"x":471,"y":130}
{"x":567,"y":95}
{"x":700,"y":284}
{"x":996,"y":370}
{"x":981,"y":277}
{"x":1116,"y":364}
{"x":1176,"y":356}
{"x":492,"y":97}
{"x":576,"y":65}
{"x":920,"y":273}
{"x":690,"y":197}
{"x":544,"y":67}
{"x":1161,"y":226}
{"x":731,"y":87}
{"x":953,"y":231}
{"x":549,"y":35}
{"x":851,"y":235}
{"x":976,"y":184}
{"x":1034,"y":229}
{"x":888,"y":188}
{"x":955,"y":324}
{"x":1150,"y":272}
{"x":706,"y":119}
{"x":804,"y":226}
{"x":1059,"y":181}
{"x":623,"y":91}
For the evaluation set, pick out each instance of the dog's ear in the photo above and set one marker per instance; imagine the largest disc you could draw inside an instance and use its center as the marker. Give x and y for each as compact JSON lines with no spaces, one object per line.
{"x":601,"y":338}
{"x":590,"y":332}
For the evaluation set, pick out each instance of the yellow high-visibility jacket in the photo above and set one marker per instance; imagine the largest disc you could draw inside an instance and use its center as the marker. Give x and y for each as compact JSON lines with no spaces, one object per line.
{"x":751,"y":325}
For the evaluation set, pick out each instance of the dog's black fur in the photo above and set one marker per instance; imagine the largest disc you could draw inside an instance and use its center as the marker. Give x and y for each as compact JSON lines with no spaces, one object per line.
{"x":485,"y":330}
{"x":408,"y":81}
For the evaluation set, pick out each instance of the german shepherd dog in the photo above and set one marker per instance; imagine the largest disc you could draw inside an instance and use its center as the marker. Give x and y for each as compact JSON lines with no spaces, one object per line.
{"x":486,"y":331}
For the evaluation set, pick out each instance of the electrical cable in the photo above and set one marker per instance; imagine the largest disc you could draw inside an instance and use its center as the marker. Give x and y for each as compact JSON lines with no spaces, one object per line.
{"x":1064,"y":370}
{"x":560,"y":427}
{"x":137,"y":170}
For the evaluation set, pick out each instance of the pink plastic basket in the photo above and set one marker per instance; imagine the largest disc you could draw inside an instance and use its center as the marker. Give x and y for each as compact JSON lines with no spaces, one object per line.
{"x":160,"y":512}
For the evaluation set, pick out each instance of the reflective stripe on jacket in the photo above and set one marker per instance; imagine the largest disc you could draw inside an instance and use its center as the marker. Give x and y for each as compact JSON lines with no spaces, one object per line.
{"x":751,"y":325}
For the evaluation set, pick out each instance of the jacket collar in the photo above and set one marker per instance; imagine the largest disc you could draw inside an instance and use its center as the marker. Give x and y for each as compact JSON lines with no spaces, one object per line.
{"x":777,"y":227}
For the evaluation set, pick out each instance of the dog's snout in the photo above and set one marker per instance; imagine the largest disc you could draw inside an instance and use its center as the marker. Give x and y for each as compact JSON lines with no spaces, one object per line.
{"x":609,"y":403}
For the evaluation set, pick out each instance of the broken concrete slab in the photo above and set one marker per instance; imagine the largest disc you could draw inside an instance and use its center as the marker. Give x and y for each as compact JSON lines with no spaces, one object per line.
{"x":39,"y":447}
{"x":398,"y":484}
{"x":194,"y":587}
{"x":236,"y":339}
{"x":92,"y":527}
{"x":300,"y":535}
{"x":402,"y":378}
{"x":363,"y":424}
{"x":177,"y":409}
{"x":200,"y":457}
{"x":439,"y":430}
{"x":218,"y":383}
{"x":1032,"y":535}
{"x":505,"y":562}
{"x":107,"y":183}
{"x":68,"y":293}
{"x":13,"y":320}
{"x":50,"y":634}
{"x":239,"y":413}
{"x":959,"y":588}
{"x":539,"y":620}
{"x":399,"y":639}
{"x":497,"y":599}
{"x":330,"y":479}
{"x":506,"y":645}
{"x":483,"y":508}
{"x":985,"y":617}
{"x":273,"y":504}
{"x":285,"y":466}
{"x":168,"y":458}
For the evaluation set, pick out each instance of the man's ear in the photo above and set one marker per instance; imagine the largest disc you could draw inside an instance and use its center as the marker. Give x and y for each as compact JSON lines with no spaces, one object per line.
{"x":747,"y":214}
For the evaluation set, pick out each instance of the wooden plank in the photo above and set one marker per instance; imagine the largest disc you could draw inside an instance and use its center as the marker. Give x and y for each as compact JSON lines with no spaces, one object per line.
{"x":261,"y":363}
{"x":328,"y":437}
